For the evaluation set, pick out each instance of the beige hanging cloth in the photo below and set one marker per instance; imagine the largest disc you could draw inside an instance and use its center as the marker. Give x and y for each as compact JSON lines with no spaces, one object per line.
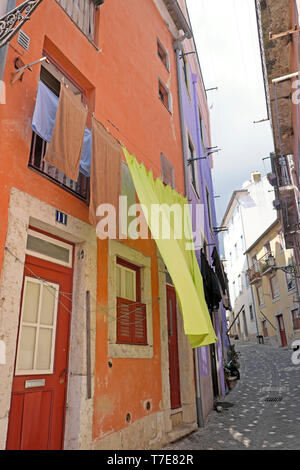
{"x":105,"y":181}
{"x":64,"y":150}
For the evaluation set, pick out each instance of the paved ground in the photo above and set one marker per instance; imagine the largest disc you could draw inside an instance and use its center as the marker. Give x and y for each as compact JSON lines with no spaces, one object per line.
{"x":252,"y":422}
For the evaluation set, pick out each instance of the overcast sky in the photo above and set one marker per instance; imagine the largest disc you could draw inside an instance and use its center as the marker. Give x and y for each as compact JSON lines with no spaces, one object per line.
{"x":228,"y":49}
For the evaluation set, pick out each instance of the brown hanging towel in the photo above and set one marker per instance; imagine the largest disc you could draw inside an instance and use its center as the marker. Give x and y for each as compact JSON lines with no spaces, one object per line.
{"x":105,"y":181}
{"x":64,"y":150}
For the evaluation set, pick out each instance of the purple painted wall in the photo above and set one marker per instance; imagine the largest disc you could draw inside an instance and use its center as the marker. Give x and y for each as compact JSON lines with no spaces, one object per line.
{"x":194,"y":101}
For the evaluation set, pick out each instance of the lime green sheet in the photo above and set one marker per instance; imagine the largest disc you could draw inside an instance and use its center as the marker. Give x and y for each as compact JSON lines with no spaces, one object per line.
{"x":181,"y":263}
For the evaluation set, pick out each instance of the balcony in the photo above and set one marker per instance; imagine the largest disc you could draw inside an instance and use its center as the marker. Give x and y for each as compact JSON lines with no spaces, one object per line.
{"x":254,"y":275}
{"x":259,"y":269}
{"x":79,"y":188}
{"x":264,"y":266}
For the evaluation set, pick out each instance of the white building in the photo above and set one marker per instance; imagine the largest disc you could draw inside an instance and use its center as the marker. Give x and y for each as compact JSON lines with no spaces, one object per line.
{"x":249,"y":213}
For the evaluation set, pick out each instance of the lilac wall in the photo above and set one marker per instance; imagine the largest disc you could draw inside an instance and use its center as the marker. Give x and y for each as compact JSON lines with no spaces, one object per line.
{"x":192,"y":101}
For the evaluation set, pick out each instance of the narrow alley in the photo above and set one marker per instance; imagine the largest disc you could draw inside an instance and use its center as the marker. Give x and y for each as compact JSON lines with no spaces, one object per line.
{"x":261,"y":412}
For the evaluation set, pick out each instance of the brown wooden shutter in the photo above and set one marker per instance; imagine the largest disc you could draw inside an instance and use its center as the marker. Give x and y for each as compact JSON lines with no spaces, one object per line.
{"x":167,"y":171}
{"x":131,"y":322}
{"x":123,"y":321}
{"x":139,"y":324}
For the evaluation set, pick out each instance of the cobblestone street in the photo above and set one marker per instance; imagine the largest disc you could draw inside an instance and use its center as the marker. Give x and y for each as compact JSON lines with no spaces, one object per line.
{"x":263,"y":410}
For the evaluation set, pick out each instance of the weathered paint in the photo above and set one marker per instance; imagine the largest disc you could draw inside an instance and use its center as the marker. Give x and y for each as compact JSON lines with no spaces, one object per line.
{"x":194,"y":101}
{"x":120,"y":77}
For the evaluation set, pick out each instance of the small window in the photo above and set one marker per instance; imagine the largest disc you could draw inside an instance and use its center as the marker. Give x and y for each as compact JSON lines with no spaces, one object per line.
{"x":131,"y":313}
{"x":281,"y":241}
{"x":242,"y":243}
{"x":167,"y":171}
{"x":240,"y":284}
{"x":234,"y":289}
{"x":260,"y":295}
{"x":246,"y":280}
{"x":251,"y":313}
{"x":290,"y":280}
{"x":82,"y":14}
{"x":201,"y":128}
{"x":162,"y":54}
{"x":185,"y":72}
{"x":164,"y":95}
{"x":275,"y":291}
{"x":296,"y":319}
{"x":49,"y":249}
{"x":36,"y":343}
{"x":192,"y":165}
{"x":208,"y":202}
{"x":255,"y":263}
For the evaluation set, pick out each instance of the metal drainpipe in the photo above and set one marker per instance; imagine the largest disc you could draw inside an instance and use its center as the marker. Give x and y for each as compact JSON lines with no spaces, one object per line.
{"x":178,"y":50}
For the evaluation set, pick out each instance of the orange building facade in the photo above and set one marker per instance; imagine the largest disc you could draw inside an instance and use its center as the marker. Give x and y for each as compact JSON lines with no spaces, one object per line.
{"x":64,"y":369}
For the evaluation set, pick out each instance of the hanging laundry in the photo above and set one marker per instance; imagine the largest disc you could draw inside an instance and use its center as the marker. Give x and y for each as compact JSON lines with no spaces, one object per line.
{"x":219,"y":269}
{"x":64,"y":151}
{"x":44,"y":119}
{"x":45,"y":112}
{"x":211,"y":286}
{"x":181,"y":262}
{"x":105,"y":182}
{"x":85,"y":160}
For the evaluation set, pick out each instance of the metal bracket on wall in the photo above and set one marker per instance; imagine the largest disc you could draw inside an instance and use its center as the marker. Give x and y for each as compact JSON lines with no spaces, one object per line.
{"x":285,"y":33}
{"x":18,"y":74}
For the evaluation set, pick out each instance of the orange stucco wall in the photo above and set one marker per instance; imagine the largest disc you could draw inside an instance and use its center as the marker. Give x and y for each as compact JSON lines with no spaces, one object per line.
{"x":126,"y":385}
{"x":121,"y":83}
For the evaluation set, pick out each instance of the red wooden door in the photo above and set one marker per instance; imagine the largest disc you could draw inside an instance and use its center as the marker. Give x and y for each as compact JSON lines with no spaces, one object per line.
{"x":173,"y":349}
{"x":282,"y":331}
{"x":36,"y":420}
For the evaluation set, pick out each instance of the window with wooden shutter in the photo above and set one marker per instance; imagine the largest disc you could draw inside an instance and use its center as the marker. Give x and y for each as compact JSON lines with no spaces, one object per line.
{"x":82,"y":13}
{"x":167,"y":171}
{"x":296,"y":319}
{"x":131,"y":313}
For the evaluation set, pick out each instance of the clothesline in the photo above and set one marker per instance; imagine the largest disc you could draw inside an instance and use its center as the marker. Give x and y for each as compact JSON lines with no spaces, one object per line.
{"x":49,"y":287}
{"x":44,"y":120}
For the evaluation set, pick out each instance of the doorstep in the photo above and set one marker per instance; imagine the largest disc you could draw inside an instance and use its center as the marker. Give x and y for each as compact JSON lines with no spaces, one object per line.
{"x":181,"y":431}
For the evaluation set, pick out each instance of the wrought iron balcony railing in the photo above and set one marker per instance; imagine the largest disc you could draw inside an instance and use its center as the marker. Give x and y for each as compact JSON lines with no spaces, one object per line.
{"x":260,"y":268}
{"x":78,"y":188}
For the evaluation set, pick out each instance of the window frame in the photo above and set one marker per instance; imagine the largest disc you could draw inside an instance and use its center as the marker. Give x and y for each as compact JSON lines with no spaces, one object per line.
{"x":186,"y":73}
{"x":132,"y":338}
{"x":126,"y":266}
{"x":53,"y":241}
{"x":164,"y":92}
{"x":295,"y":319}
{"x":274,"y":297}
{"x":165,"y":171}
{"x":34,"y":371}
{"x":164,"y":57}
{"x":116,"y":250}
{"x":193,"y":166}
{"x":81,"y":188}
{"x":261,"y":301}
{"x":92,"y":40}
